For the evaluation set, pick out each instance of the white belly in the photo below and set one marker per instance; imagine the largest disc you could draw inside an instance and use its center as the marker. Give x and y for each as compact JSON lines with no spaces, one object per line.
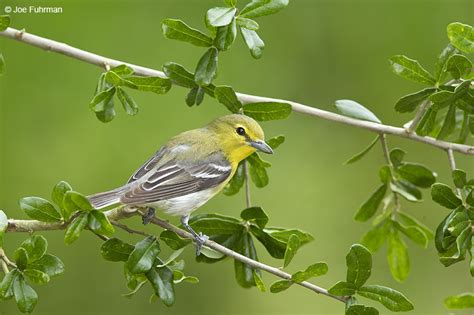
{"x":184,"y":205}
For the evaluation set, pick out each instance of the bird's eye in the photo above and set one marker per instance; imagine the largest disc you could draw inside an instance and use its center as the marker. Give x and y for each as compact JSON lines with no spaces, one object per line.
{"x":240,"y":131}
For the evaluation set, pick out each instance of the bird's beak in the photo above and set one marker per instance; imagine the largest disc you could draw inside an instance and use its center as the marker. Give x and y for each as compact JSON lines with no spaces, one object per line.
{"x":261,"y":146}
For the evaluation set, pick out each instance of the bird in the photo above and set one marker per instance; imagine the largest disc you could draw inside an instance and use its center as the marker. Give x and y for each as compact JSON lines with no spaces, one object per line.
{"x":188,"y":170}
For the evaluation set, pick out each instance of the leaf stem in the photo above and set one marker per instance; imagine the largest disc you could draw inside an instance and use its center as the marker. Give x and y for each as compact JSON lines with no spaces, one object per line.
{"x":452,"y":165}
{"x":386,"y":154}
{"x":248,"y":201}
{"x":419,"y":115}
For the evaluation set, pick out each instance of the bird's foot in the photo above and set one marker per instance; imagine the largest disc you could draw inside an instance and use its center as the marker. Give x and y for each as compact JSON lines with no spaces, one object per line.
{"x":148,"y":216}
{"x":200,"y":240}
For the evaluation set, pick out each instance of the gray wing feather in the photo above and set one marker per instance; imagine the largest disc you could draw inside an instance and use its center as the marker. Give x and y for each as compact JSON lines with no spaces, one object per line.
{"x":148,"y":165}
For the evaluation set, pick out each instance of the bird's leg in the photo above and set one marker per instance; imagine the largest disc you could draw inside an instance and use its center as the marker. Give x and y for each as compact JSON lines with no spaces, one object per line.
{"x":199,"y":238}
{"x":148,"y":216}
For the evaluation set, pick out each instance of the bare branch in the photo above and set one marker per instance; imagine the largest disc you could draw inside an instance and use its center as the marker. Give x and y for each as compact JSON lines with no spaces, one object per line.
{"x":64,"y":49}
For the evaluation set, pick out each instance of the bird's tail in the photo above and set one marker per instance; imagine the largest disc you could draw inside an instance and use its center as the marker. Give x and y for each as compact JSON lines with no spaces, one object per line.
{"x":107,"y":198}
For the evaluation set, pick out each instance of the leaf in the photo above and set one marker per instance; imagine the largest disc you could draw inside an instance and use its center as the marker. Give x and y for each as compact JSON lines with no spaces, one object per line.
{"x":173,"y":240}
{"x":258,"y":8}
{"x":6,"y":285}
{"x":195,"y":96}
{"x":458,"y":66}
{"x":449,"y":123}
{"x":414,"y":233}
{"x":275,"y":247}
{"x":396,"y":156}
{"x":258,"y":281}
{"x":243,"y":272}
{"x":275,"y":142}
{"x":410,"y":102}
{"x":267,"y":110}
{"x":257,"y":172}
{"x":461,"y":36}
{"x":128,"y":103}
{"x":3,"y":226}
{"x":407,"y":190}
{"x":355,"y":110}
{"x":177,"y":29}
{"x":314,"y":270}
{"x":49,"y":264}
{"x":390,"y":298}
{"x":417,"y":174}
{"x":359,"y":265}
{"x":36,"y":276}
{"x":397,"y":257}
{"x":214,"y":224}
{"x":410,"y":69}
{"x":284,"y":234}
{"x":279,"y":286}
{"x":35,"y":246}
{"x":178,"y":277}
{"x":411,"y":221}
{"x":255,"y":214}
{"x":150,"y":84}
{"x":233,"y":187}
{"x":206,"y":69}
{"x":4,"y":22}
{"x":161,"y":280}
{"x":427,"y":123}
{"x":113,"y":78}
{"x":105,"y":111}
{"x":220,"y":16}
{"x":459,"y":178}
{"x":25,"y":297}
{"x":375,"y":237}
{"x":342,"y":288}
{"x":179,"y":75}
{"x":457,"y":252}
{"x":253,"y":42}
{"x":226,"y":96}
{"x":385,"y":174}
{"x":21,"y":258}
{"x":443,"y":195}
{"x":230,"y":3}
{"x":225,"y":36}
{"x":142,"y":257}
{"x":361,"y":154}
{"x":99,"y":223}
{"x":75,"y":228}
{"x":40,"y":209}
{"x":58,"y":193}
{"x":461,"y":301}
{"x":122,"y":70}
{"x":368,"y":208}
{"x":100,"y":100}
{"x":291,"y":248}
{"x":74,"y":201}
{"x":116,"y":250}
{"x":441,"y":63}
{"x":359,"y":309}
{"x":2,"y":64}
{"x":247,"y":23}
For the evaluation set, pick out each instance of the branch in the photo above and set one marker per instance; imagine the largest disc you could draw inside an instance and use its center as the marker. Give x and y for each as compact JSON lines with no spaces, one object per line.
{"x":126,"y":212}
{"x":452,"y":165}
{"x":64,"y":49}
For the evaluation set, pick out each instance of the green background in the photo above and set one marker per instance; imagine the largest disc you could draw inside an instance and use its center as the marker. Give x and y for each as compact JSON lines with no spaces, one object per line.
{"x":316,"y":52}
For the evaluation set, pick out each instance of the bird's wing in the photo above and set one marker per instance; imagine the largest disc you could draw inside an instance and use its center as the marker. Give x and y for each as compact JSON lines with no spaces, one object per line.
{"x":148,"y":165}
{"x":176,"y":178}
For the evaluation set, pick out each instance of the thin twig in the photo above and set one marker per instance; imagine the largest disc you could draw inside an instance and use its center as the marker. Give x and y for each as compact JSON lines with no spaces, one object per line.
{"x":386,"y":154}
{"x":5,"y":262}
{"x":419,"y":115}
{"x":64,"y":49}
{"x":248,"y":201}
{"x":128,"y":229}
{"x":452,"y":165}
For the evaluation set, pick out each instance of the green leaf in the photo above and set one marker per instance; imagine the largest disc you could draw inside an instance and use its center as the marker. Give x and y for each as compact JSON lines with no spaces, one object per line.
{"x":243,"y":272}
{"x":226,"y":96}
{"x":151,"y":84}
{"x":361,"y":154}
{"x":49,"y":264}
{"x":105,"y":111}
{"x":458,"y":66}
{"x":355,"y":110}
{"x":142,"y":257}
{"x":36,"y":276}
{"x":397,"y":257}
{"x":359,"y":265}
{"x":74,"y":229}
{"x":253,"y":42}
{"x":417,"y":174}
{"x":410,"y":102}
{"x":257,"y":171}
{"x":230,"y":3}
{"x":284,"y":235}
{"x":410,"y":69}
{"x":390,"y":298}
{"x":461,"y":301}
{"x":2,"y":64}
{"x":258,"y":8}
{"x":179,"y":75}
{"x":441,"y":63}
{"x":443,"y":195}
{"x":177,"y":29}
{"x":275,"y":247}
{"x":247,"y":23}
{"x":113,"y":78}
{"x":457,"y":252}
{"x":411,"y":221}
{"x":220,"y":16}
{"x":427,"y":123}
{"x":206,"y":69}
{"x":375,"y":237}
{"x":291,"y":248}
{"x":225,"y":36}
{"x":407,"y":190}
{"x":255,"y":214}
{"x":128,"y":103}
{"x":25,"y":297}
{"x":368,"y":208}
{"x":100,"y":100}
{"x":116,"y":250}
{"x":178,"y":277}
{"x":40,"y":209}
{"x":359,"y":309}
{"x":215,"y":224}
{"x":233,"y":187}
{"x":342,"y":288}
{"x":195,"y":96}
{"x":4,"y":22}
{"x":385,"y":174}
{"x":459,"y":178}
{"x":449,"y":123}
{"x":267,"y":110}
{"x":35,"y":246}
{"x":161,"y":280}
{"x":259,"y":281}
{"x":6,"y":285}
{"x":99,"y":223}
{"x":3,"y":226}
{"x":279,"y":286}
{"x":461,"y":36}
{"x":21,"y":258}
{"x":58,"y":193}
{"x":173,"y":240}
{"x":275,"y":142}
{"x":74,"y":201}
{"x":122,"y":70}
{"x":314,"y":270}
{"x":414,"y":233}
{"x":396,"y":156}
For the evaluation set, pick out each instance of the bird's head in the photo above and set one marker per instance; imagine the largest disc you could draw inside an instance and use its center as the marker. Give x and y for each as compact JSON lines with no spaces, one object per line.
{"x":239,"y":136}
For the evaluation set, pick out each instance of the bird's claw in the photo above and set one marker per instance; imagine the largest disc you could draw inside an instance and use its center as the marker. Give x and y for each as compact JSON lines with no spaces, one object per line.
{"x":200,"y":240}
{"x":148,"y":216}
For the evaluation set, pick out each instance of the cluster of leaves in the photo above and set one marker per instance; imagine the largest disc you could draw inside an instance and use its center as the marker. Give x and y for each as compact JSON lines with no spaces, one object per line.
{"x":359,"y":268}
{"x":68,"y":207}
{"x":238,"y":235}
{"x":4,"y":23}
{"x":449,"y":95}
{"x":32,"y":265}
